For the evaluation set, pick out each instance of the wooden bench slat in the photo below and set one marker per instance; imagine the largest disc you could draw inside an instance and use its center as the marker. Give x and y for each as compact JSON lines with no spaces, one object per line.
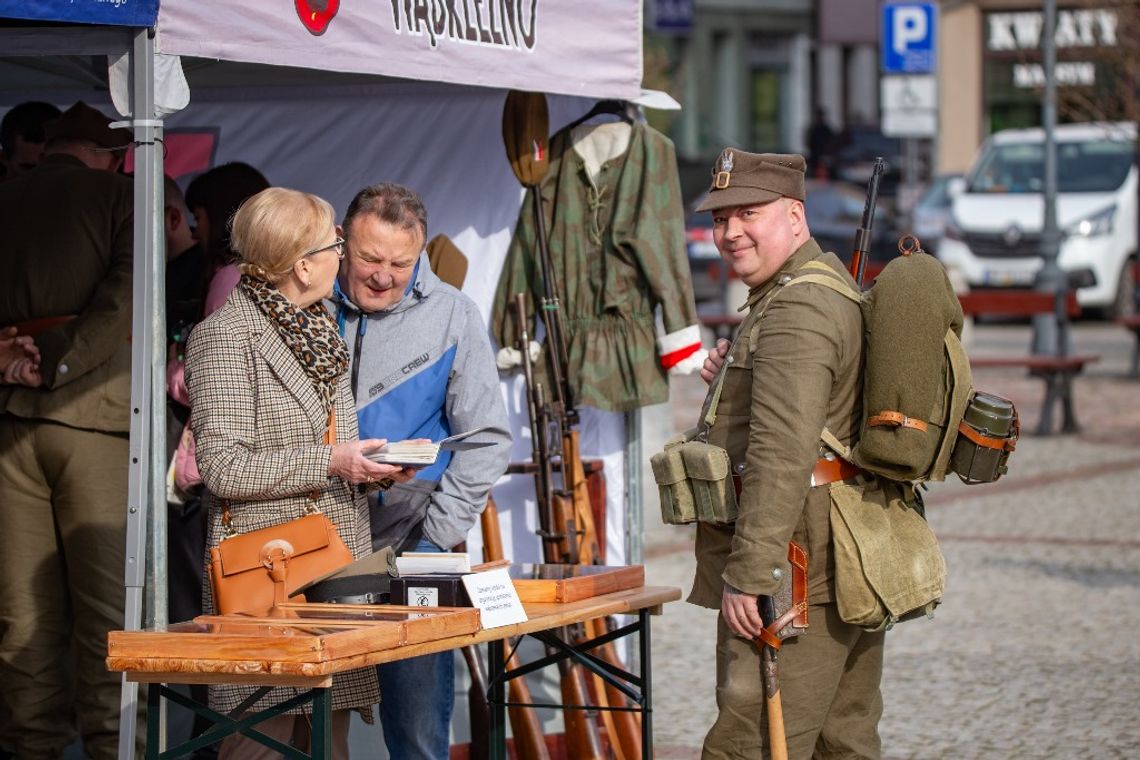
{"x":1014,"y":303}
{"x":1075,"y":362}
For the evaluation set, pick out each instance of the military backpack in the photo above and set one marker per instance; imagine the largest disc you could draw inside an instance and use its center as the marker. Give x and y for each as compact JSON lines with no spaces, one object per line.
{"x":922,"y":417}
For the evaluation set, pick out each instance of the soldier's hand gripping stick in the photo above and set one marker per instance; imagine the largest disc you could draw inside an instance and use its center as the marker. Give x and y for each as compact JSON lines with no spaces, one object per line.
{"x":769,"y":644}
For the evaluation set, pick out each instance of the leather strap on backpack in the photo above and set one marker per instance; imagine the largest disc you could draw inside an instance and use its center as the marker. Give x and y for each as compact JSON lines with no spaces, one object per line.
{"x":986,"y":441}
{"x":896,"y":419}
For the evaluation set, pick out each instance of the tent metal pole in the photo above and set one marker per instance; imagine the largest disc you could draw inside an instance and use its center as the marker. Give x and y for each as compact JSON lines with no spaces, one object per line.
{"x":146,"y":485}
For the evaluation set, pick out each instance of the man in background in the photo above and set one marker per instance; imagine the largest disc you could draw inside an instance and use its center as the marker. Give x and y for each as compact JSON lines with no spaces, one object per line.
{"x":22,"y":136}
{"x":64,"y":424}
{"x":422,"y":367}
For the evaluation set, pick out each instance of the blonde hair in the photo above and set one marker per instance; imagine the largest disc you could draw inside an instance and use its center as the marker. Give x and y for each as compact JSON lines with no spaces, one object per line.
{"x":274,"y":228}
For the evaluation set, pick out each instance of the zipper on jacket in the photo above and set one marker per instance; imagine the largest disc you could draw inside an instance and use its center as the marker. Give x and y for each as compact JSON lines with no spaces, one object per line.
{"x":361,"y":328}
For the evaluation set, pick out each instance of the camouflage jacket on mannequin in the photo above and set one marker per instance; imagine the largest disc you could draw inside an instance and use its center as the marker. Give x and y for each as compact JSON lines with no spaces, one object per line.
{"x":615,"y":227}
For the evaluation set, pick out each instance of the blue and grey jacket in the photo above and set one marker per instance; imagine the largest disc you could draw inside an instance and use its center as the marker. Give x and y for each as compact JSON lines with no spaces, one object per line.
{"x":424,"y":368}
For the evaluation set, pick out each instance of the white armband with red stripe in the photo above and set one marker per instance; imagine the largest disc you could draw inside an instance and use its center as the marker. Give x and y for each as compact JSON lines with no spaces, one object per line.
{"x":679,"y":350}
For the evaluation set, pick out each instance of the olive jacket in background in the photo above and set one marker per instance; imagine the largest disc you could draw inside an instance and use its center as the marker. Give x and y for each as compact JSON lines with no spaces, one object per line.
{"x":66,"y":250}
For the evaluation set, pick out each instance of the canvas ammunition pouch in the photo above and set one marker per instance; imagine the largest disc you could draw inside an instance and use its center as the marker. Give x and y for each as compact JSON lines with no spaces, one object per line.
{"x":694,"y":481}
{"x":888,"y":567}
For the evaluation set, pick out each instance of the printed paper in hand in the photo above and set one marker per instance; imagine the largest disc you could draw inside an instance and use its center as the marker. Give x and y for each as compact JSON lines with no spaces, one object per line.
{"x":418,"y":453}
{"x":414,"y":454}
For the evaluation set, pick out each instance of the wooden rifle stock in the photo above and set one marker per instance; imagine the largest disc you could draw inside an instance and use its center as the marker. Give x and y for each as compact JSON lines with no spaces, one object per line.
{"x":539,"y":435}
{"x":556,"y":529}
{"x":623,"y":726}
{"x":526,"y":139}
{"x":525,"y":725}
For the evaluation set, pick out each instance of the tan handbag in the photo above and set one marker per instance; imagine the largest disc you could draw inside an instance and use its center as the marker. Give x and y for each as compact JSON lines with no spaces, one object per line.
{"x":256,"y":570}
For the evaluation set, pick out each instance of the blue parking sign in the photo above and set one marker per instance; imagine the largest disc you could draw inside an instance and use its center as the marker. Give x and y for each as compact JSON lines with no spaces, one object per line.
{"x":908,"y":38}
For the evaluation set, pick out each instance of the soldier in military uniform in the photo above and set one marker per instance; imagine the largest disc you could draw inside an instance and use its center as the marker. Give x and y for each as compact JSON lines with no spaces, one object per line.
{"x":64,"y":422}
{"x":794,"y":368}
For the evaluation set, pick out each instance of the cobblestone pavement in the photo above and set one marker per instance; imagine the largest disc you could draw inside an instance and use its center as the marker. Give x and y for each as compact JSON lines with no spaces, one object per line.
{"x":1034,"y":652}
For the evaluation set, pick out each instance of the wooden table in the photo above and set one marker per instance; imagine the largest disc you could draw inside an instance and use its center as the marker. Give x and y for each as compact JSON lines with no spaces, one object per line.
{"x":142,"y":657}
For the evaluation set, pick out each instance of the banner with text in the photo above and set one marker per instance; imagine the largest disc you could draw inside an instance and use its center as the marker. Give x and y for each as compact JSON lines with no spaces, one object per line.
{"x":588,"y":47}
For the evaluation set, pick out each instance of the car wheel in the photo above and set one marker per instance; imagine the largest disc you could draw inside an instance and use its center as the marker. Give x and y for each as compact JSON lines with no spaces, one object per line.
{"x":1125,"y":302}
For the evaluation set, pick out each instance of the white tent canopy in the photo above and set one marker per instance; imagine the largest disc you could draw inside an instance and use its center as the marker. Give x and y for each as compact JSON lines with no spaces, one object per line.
{"x":441,"y":139}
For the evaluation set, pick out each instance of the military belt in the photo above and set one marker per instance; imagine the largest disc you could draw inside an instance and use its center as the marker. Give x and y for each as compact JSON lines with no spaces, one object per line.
{"x":34,"y":327}
{"x":825,"y":471}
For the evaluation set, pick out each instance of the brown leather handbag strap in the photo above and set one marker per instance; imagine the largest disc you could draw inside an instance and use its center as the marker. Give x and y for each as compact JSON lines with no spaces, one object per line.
{"x":314,"y":497}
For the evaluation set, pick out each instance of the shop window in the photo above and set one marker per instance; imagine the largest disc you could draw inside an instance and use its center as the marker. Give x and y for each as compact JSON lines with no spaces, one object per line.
{"x":765,"y":130}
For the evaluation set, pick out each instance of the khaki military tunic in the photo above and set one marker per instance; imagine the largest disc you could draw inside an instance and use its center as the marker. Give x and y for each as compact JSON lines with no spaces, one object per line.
{"x":794,"y":368}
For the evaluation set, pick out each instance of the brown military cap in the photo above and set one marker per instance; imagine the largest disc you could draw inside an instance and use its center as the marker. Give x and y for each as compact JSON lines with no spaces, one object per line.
{"x":741,"y":178}
{"x":83,"y":122}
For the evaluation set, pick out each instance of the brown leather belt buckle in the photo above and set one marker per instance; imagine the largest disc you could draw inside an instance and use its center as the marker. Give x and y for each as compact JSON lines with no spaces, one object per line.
{"x":830,"y":470}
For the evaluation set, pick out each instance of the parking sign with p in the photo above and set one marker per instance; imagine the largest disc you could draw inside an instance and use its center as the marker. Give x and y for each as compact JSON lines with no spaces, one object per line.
{"x":908,"y":37}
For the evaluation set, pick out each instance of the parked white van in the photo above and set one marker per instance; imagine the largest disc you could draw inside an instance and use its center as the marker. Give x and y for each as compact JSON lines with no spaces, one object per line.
{"x":994,"y":234}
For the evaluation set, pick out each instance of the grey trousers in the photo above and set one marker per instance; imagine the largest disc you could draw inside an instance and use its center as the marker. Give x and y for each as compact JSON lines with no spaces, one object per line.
{"x":63,"y":514}
{"x":829,"y":685}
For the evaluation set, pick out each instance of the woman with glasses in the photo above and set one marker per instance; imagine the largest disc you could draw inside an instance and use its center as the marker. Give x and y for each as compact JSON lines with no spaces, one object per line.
{"x":266,"y":374}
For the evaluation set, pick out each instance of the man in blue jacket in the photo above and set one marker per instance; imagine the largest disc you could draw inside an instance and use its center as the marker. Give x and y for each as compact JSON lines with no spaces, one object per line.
{"x":422,"y":367}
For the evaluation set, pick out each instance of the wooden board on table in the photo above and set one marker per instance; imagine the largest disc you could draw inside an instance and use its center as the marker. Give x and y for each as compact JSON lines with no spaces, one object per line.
{"x":301,"y":633}
{"x":420,"y":624}
{"x":570,"y":583}
{"x":140,"y":655}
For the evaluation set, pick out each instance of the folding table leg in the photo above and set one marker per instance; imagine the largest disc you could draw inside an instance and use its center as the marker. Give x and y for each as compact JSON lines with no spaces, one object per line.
{"x":153,"y":721}
{"x":496,"y":696}
{"x":646,"y":685}
{"x":322,"y":724}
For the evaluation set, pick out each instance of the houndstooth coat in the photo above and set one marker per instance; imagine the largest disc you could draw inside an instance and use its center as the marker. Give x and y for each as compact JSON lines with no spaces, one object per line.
{"x":259,"y":426}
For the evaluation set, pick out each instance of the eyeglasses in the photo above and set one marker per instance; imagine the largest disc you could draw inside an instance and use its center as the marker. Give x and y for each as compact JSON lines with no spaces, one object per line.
{"x":337,"y":245}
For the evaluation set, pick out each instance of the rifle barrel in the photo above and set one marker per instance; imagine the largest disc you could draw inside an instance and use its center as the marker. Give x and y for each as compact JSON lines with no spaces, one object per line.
{"x":552,"y":318}
{"x":863,"y":232}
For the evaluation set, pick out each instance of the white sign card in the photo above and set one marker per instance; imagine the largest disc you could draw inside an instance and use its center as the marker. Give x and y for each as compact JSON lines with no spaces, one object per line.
{"x":495,"y":596}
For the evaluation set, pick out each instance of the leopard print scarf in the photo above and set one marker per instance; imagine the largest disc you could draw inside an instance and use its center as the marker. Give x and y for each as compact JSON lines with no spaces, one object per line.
{"x":309,"y":333}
